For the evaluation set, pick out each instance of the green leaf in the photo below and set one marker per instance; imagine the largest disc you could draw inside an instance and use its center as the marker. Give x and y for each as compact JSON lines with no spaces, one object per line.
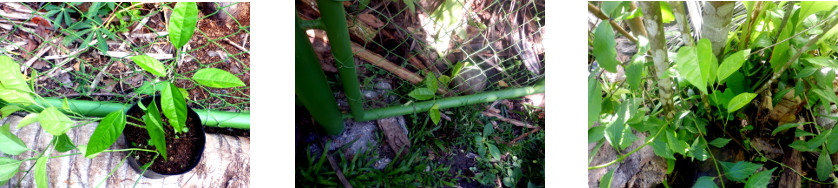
{"x":732,"y":63}
{"x":720,"y":142}
{"x":8,"y":110}
{"x":697,"y":149}
{"x":740,"y":170}
{"x":430,"y":82}
{"x":150,"y":64}
{"x":787,"y":126}
{"x":13,"y":88}
{"x":444,"y":79}
{"x":661,"y":148}
{"x":818,"y":140}
{"x":799,"y":133}
{"x":705,"y":182}
{"x":182,"y":23}
{"x":9,"y":143}
{"x":149,"y":88}
{"x":633,"y":74}
{"x":824,"y":167}
{"x":688,"y":66}
{"x":628,"y":138}
{"x":459,"y":66}
{"x":106,"y":133}
{"x":594,"y":100}
{"x":614,"y":131}
{"x":174,"y":107}
{"x":596,"y":134}
{"x":676,"y":145}
{"x":434,"y":113}
{"x":494,"y":151}
{"x":40,"y":172}
{"x":605,"y":182}
{"x":481,"y":148}
{"x":154,"y":126}
{"x":706,"y":60}
{"x":760,"y":180}
{"x":740,"y":101}
{"x":55,"y":122}
{"x":822,"y":61}
{"x":488,"y":129}
{"x":8,"y":168}
{"x":421,"y":94}
{"x":605,"y":48}
{"x":800,"y":145}
{"x":217,"y":78}
{"x":805,"y":72}
{"x":27,"y":120}
{"x":666,"y":12}
{"x":63,"y":143}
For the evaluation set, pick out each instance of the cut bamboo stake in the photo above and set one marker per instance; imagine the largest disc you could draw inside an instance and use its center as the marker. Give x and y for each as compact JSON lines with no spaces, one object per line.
{"x":598,"y":13}
{"x":380,"y":62}
{"x":512,"y":121}
{"x":636,"y":24}
{"x":415,"y":62}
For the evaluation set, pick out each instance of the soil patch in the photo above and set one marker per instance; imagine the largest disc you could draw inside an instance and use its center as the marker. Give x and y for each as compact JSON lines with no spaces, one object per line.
{"x":184,"y":151}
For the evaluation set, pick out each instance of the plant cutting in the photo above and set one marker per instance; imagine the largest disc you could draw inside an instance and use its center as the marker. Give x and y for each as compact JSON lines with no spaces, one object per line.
{"x":162,"y":134}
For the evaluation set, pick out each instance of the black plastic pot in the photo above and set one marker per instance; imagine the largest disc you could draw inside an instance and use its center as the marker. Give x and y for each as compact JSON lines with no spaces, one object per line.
{"x":194,"y":125}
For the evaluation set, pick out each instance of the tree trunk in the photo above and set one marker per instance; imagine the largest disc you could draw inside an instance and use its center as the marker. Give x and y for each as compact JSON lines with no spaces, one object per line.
{"x":716,"y":24}
{"x":225,"y":163}
{"x":657,"y":44}
{"x":678,"y":8}
{"x":636,"y":24}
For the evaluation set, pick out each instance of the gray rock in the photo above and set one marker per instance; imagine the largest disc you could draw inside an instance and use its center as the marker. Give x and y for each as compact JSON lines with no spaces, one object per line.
{"x":364,"y":132}
{"x":382,"y":163}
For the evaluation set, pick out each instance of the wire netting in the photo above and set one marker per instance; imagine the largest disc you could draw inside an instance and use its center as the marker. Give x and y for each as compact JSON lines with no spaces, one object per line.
{"x":397,"y":44}
{"x":82,"y":50}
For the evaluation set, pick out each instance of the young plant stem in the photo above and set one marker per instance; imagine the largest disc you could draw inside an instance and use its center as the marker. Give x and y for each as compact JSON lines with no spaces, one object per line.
{"x":629,"y":153}
{"x":834,"y":180}
{"x":130,"y":149}
{"x":114,"y":169}
{"x":593,"y":9}
{"x":715,"y":162}
{"x":144,"y":169}
{"x":796,"y":55}
{"x":135,"y":125}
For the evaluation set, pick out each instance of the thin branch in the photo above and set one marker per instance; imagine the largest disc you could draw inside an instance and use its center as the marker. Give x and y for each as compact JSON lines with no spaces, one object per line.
{"x":598,"y":13}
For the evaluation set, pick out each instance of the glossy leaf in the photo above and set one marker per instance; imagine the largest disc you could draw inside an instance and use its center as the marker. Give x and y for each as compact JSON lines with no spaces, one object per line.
{"x":805,"y":72}
{"x":739,"y":171}
{"x":150,"y":64}
{"x":740,"y":101}
{"x":787,"y":126}
{"x":40,"y":172}
{"x":55,"y":122}
{"x":63,"y":143}
{"x":596,"y":134}
{"x":760,"y":179}
{"x":106,"y":133}
{"x":666,"y":12}
{"x":605,"y":48}
{"x":659,"y":145}
{"x":217,"y":78}
{"x":676,"y":145}
{"x":494,"y":151}
{"x":818,"y":140}
{"x":688,"y":66}
{"x":705,"y":182}
{"x":594,"y":100}
{"x":28,"y":120}
{"x":614,"y":131}
{"x":732,"y":63}
{"x":9,"y":143}
{"x":822,"y":61}
{"x":824,"y":168}
{"x":605,"y":181}
{"x":434,"y":113}
{"x":174,"y":107}
{"x":421,"y":94}
{"x":154,"y":126}
{"x":14,"y":88}
{"x":182,"y":23}
{"x":633,"y":74}
{"x":430,"y":82}
{"x":697,"y":149}
{"x":8,"y":110}
{"x":8,"y":168}
{"x":719,"y":142}
{"x":706,"y":60}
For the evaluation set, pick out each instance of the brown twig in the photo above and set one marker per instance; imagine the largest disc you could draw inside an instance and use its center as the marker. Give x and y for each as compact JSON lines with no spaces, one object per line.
{"x":237,"y":46}
{"x":416,"y":63}
{"x":522,"y":136}
{"x":598,"y":13}
{"x":337,"y":170}
{"x":379,"y":61}
{"x":512,"y":121}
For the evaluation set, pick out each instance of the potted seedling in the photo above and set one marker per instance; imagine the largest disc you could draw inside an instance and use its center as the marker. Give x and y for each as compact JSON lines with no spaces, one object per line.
{"x":157,"y":130}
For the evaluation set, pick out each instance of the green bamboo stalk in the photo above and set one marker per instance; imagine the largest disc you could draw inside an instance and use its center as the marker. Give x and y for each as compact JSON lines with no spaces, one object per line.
{"x":333,"y":19}
{"x":311,"y":87}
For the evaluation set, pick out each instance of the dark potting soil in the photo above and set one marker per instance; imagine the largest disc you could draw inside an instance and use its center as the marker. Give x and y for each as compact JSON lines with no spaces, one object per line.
{"x":181,"y":151}
{"x":227,"y":131}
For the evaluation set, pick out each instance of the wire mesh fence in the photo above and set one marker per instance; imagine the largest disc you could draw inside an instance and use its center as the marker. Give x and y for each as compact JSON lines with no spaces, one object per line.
{"x":82,"y":50}
{"x":468,"y":46}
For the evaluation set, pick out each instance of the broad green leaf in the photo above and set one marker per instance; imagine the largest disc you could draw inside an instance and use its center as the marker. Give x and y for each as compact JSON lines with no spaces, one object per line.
{"x":83,"y":149}
{"x":800,"y":145}
{"x":154,"y":126}
{"x":739,"y":171}
{"x":706,"y":60}
{"x":106,"y":133}
{"x":9,"y":143}
{"x":605,"y":48}
{"x":633,"y":74}
{"x":27,"y":120}
{"x":806,"y":72}
{"x":459,"y":66}
{"x":818,"y":140}
{"x":494,"y":151}
{"x":63,"y":143}
{"x":605,"y":182}
{"x":779,"y":55}
{"x":596,"y":134}
{"x":14,"y":88}
{"x":787,"y":126}
{"x":594,"y":100}
{"x":732,"y":63}
{"x":832,"y":143}
{"x":799,"y":133}
{"x":740,"y":101}
{"x":8,"y":168}
{"x":40,"y":172}
{"x":760,"y":179}
{"x":687,"y":66}
{"x":824,"y":79}
{"x":444,"y":80}
{"x":705,"y":182}
{"x":614,"y":131}
{"x":149,"y":88}
{"x":612,"y":8}
{"x":676,"y":145}
{"x":150,"y":64}
{"x":779,"y":95}
{"x":666,"y":12}
{"x":421,"y":94}
{"x":55,"y":122}
{"x":627,"y":138}
{"x":434,"y":113}
{"x":825,"y":95}
{"x":697,"y":149}
{"x":808,"y":8}
{"x":720,"y":142}
{"x":481,"y":148}
{"x":722,"y":98}
{"x":822,"y":61}
{"x":174,"y":107}
{"x":431,"y":83}
{"x":661,"y":148}
{"x":488,"y":129}
{"x":8,"y":110}
{"x":824,"y":167}
{"x":182,"y":23}
{"x":217,"y":78}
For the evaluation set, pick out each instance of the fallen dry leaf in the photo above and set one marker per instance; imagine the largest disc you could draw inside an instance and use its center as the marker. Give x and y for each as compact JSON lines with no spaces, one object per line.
{"x":76,"y":66}
{"x":502,"y":84}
